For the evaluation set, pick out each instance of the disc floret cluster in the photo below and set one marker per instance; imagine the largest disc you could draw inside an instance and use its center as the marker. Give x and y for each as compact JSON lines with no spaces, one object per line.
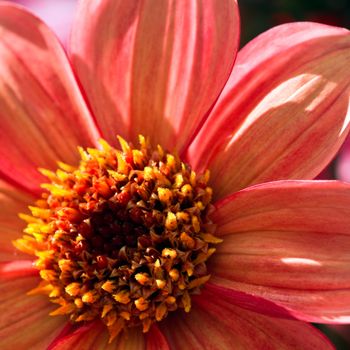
{"x":123,"y":237}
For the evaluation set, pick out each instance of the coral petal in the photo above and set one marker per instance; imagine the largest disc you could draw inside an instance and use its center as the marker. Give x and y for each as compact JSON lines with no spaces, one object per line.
{"x":24,"y":320}
{"x":288,"y":242}
{"x":94,"y":335}
{"x":154,"y":69}
{"x":218,"y":325}
{"x":246,"y":300}
{"x":284,"y":111}
{"x":43,"y":115}
{"x":155,"y":339}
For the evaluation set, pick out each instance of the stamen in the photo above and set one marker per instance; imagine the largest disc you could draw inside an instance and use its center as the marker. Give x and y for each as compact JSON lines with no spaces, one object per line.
{"x":123,"y":237}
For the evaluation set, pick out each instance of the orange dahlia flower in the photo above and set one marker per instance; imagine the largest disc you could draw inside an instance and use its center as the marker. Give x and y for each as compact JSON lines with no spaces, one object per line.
{"x":208,"y":232}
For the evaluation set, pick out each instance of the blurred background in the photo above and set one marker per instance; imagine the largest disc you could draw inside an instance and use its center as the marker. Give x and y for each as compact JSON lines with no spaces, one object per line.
{"x":58,"y":14}
{"x":260,"y":15}
{"x":256,"y":17}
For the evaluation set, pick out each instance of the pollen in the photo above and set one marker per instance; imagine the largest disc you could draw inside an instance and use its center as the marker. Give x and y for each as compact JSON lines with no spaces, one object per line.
{"x":124,"y":236}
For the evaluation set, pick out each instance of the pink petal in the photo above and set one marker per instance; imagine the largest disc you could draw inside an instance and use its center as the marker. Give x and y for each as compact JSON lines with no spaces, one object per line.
{"x":12,"y":202}
{"x":94,"y":335}
{"x":218,"y":325}
{"x":43,"y":115}
{"x":154,"y":69}
{"x":24,"y":320}
{"x":284,"y":111}
{"x":288,"y":242}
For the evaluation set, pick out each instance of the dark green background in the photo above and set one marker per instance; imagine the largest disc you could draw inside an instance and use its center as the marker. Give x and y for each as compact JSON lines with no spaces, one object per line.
{"x":260,"y":15}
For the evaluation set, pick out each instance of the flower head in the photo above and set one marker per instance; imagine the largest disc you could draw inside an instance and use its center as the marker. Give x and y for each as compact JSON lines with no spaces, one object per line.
{"x":135,"y":244}
{"x":123,"y":237}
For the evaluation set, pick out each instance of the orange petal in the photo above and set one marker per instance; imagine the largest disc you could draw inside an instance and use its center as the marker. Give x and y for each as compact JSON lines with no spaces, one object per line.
{"x":154,"y":69}
{"x":43,"y":114}
{"x":218,"y":325}
{"x":284,"y":111}
{"x":288,"y":242}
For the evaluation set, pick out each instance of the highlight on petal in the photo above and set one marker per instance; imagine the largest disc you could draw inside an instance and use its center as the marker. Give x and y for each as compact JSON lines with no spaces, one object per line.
{"x":288,"y":242}
{"x":215,"y":324}
{"x":94,"y":335}
{"x":24,"y":320}
{"x":154,"y":67}
{"x":12,"y":202}
{"x":43,"y":115}
{"x":284,"y":111}
{"x":17,"y":269}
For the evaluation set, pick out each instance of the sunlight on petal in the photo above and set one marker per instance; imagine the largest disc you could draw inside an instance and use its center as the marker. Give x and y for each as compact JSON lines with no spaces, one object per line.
{"x":18,"y":268}
{"x":346,"y":120}
{"x":304,"y":90}
{"x":338,"y":319}
{"x":14,"y":265}
{"x":300,"y":261}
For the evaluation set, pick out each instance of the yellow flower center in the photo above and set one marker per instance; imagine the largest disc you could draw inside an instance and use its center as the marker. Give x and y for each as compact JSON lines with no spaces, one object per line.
{"x":123,"y":237}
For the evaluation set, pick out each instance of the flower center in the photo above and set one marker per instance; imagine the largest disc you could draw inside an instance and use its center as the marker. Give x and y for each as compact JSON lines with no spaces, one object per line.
{"x":123,"y":237}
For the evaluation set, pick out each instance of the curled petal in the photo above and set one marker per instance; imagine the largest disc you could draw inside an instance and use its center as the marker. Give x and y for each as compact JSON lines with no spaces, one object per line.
{"x":43,"y":116}
{"x":283,"y":113}
{"x":288,"y":242}
{"x":154,"y":67}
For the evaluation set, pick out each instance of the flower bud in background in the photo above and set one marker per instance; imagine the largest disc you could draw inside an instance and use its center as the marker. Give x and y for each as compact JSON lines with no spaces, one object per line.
{"x":58,"y":14}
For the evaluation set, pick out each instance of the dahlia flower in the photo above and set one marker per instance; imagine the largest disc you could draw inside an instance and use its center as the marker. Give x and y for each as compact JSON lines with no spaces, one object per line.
{"x":205,"y":232}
